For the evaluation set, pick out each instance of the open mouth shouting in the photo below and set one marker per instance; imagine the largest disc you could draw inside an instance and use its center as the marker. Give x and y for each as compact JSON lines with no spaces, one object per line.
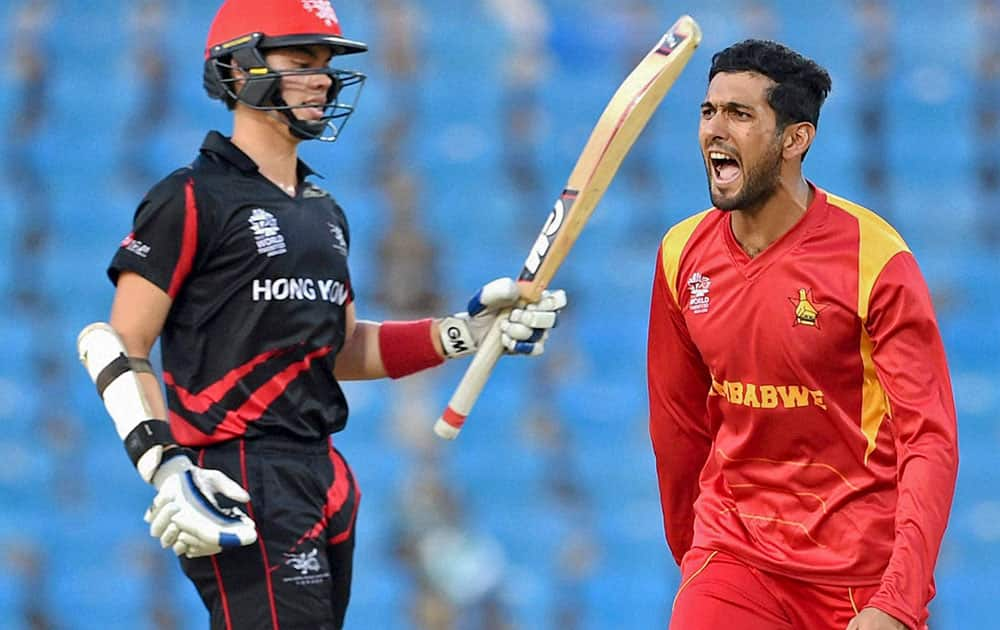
{"x":725,"y":168}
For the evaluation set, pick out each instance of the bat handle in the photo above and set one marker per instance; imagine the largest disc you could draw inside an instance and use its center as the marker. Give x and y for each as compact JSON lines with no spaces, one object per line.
{"x":471,"y":385}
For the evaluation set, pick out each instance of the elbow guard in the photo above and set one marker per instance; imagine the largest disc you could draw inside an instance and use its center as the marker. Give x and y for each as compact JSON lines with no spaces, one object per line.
{"x":114,"y":373}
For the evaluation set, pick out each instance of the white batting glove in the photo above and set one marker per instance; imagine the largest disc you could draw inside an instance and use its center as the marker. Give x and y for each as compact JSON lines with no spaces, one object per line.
{"x":186,"y":516}
{"x":523,"y":331}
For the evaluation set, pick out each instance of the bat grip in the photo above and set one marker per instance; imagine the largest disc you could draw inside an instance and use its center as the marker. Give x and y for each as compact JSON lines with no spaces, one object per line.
{"x":471,"y":385}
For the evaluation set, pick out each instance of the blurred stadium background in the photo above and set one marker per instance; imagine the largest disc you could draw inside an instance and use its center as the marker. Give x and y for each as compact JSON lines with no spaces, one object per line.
{"x":544,"y":514}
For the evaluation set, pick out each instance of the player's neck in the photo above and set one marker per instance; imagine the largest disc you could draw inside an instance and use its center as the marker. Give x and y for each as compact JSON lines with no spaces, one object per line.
{"x":756,"y":228}
{"x":269,"y":144}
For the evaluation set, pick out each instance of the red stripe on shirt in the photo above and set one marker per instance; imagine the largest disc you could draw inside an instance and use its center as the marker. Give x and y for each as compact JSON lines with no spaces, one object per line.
{"x":189,"y":241}
{"x":186,"y":433}
{"x":200,"y":402}
{"x":235,"y":422}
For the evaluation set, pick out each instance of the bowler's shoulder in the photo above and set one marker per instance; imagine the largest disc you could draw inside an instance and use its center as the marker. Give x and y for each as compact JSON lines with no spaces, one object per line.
{"x":679,"y":235}
{"x":874,"y":230}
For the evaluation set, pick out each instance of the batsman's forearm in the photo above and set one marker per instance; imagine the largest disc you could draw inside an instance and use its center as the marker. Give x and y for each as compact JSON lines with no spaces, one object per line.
{"x":153,"y":393}
{"x":360,"y":359}
{"x":125,"y":384}
{"x":436,"y":338}
{"x":389,"y":348}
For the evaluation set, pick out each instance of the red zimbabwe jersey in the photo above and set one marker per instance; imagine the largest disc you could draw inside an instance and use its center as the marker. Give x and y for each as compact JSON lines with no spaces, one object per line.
{"x":801,"y":410}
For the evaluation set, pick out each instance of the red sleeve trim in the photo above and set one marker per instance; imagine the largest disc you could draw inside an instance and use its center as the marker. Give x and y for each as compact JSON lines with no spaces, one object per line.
{"x":189,"y":241}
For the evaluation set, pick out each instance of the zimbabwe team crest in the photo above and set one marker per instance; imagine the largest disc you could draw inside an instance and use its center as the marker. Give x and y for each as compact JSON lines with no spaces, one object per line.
{"x":807,"y":310}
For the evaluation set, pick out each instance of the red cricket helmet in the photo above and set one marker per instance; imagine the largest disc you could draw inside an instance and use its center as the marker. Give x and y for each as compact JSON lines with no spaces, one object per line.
{"x":240,"y":33}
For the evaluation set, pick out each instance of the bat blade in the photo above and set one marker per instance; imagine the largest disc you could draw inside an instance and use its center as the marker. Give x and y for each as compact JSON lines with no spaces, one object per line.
{"x":616,"y":131}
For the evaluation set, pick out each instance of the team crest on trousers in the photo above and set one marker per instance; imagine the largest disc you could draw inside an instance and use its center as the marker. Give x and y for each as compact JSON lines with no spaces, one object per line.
{"x":807,"y":310}
{"x":306,"y":567}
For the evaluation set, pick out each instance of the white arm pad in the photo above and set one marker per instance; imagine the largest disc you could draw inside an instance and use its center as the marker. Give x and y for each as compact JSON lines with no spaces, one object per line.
{"x":98,"y":345}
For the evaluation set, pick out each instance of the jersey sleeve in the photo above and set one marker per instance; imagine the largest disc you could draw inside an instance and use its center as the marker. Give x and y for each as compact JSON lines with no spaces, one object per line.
{"x":910,"y":362}
{"x":347,"y":240}
{"x":163,"y":243}
{"x":678,"y":384}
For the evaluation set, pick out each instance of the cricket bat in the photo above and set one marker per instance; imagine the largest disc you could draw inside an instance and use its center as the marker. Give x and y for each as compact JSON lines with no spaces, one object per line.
{"x":623,"y":120}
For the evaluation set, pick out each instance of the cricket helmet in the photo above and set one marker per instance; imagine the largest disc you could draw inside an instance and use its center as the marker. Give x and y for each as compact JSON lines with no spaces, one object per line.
{"x":241,"y":34}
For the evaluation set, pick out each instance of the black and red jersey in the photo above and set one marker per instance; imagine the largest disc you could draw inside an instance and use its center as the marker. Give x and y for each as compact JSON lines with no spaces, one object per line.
{"x":260,"y":286}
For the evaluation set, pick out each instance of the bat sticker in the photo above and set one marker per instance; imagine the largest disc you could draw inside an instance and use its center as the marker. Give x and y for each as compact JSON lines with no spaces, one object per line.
{"x":671,"y":40}
{"x":551,"y":228}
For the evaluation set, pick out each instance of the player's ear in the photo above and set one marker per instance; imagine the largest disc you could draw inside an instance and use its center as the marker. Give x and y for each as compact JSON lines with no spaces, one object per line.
{"x":798,"y":137}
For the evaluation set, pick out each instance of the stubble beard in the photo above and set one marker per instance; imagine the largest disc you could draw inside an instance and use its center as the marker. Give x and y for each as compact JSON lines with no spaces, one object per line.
{"x":759,"y":183}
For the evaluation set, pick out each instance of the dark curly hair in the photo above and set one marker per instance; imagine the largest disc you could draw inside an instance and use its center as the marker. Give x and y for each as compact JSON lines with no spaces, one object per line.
{"x":801,"y":84}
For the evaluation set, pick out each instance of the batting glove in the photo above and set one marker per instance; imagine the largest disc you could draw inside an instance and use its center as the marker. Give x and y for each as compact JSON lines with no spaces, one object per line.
{"x":186,"y":515}
{"x":523,"y":330}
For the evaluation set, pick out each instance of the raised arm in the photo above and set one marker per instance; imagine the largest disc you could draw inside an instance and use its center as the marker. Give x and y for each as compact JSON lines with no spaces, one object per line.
{"x":396,"y":349}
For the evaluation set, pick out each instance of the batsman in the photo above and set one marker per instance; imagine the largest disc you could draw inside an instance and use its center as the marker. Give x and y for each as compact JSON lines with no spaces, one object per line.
{"x":238,"y":264}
